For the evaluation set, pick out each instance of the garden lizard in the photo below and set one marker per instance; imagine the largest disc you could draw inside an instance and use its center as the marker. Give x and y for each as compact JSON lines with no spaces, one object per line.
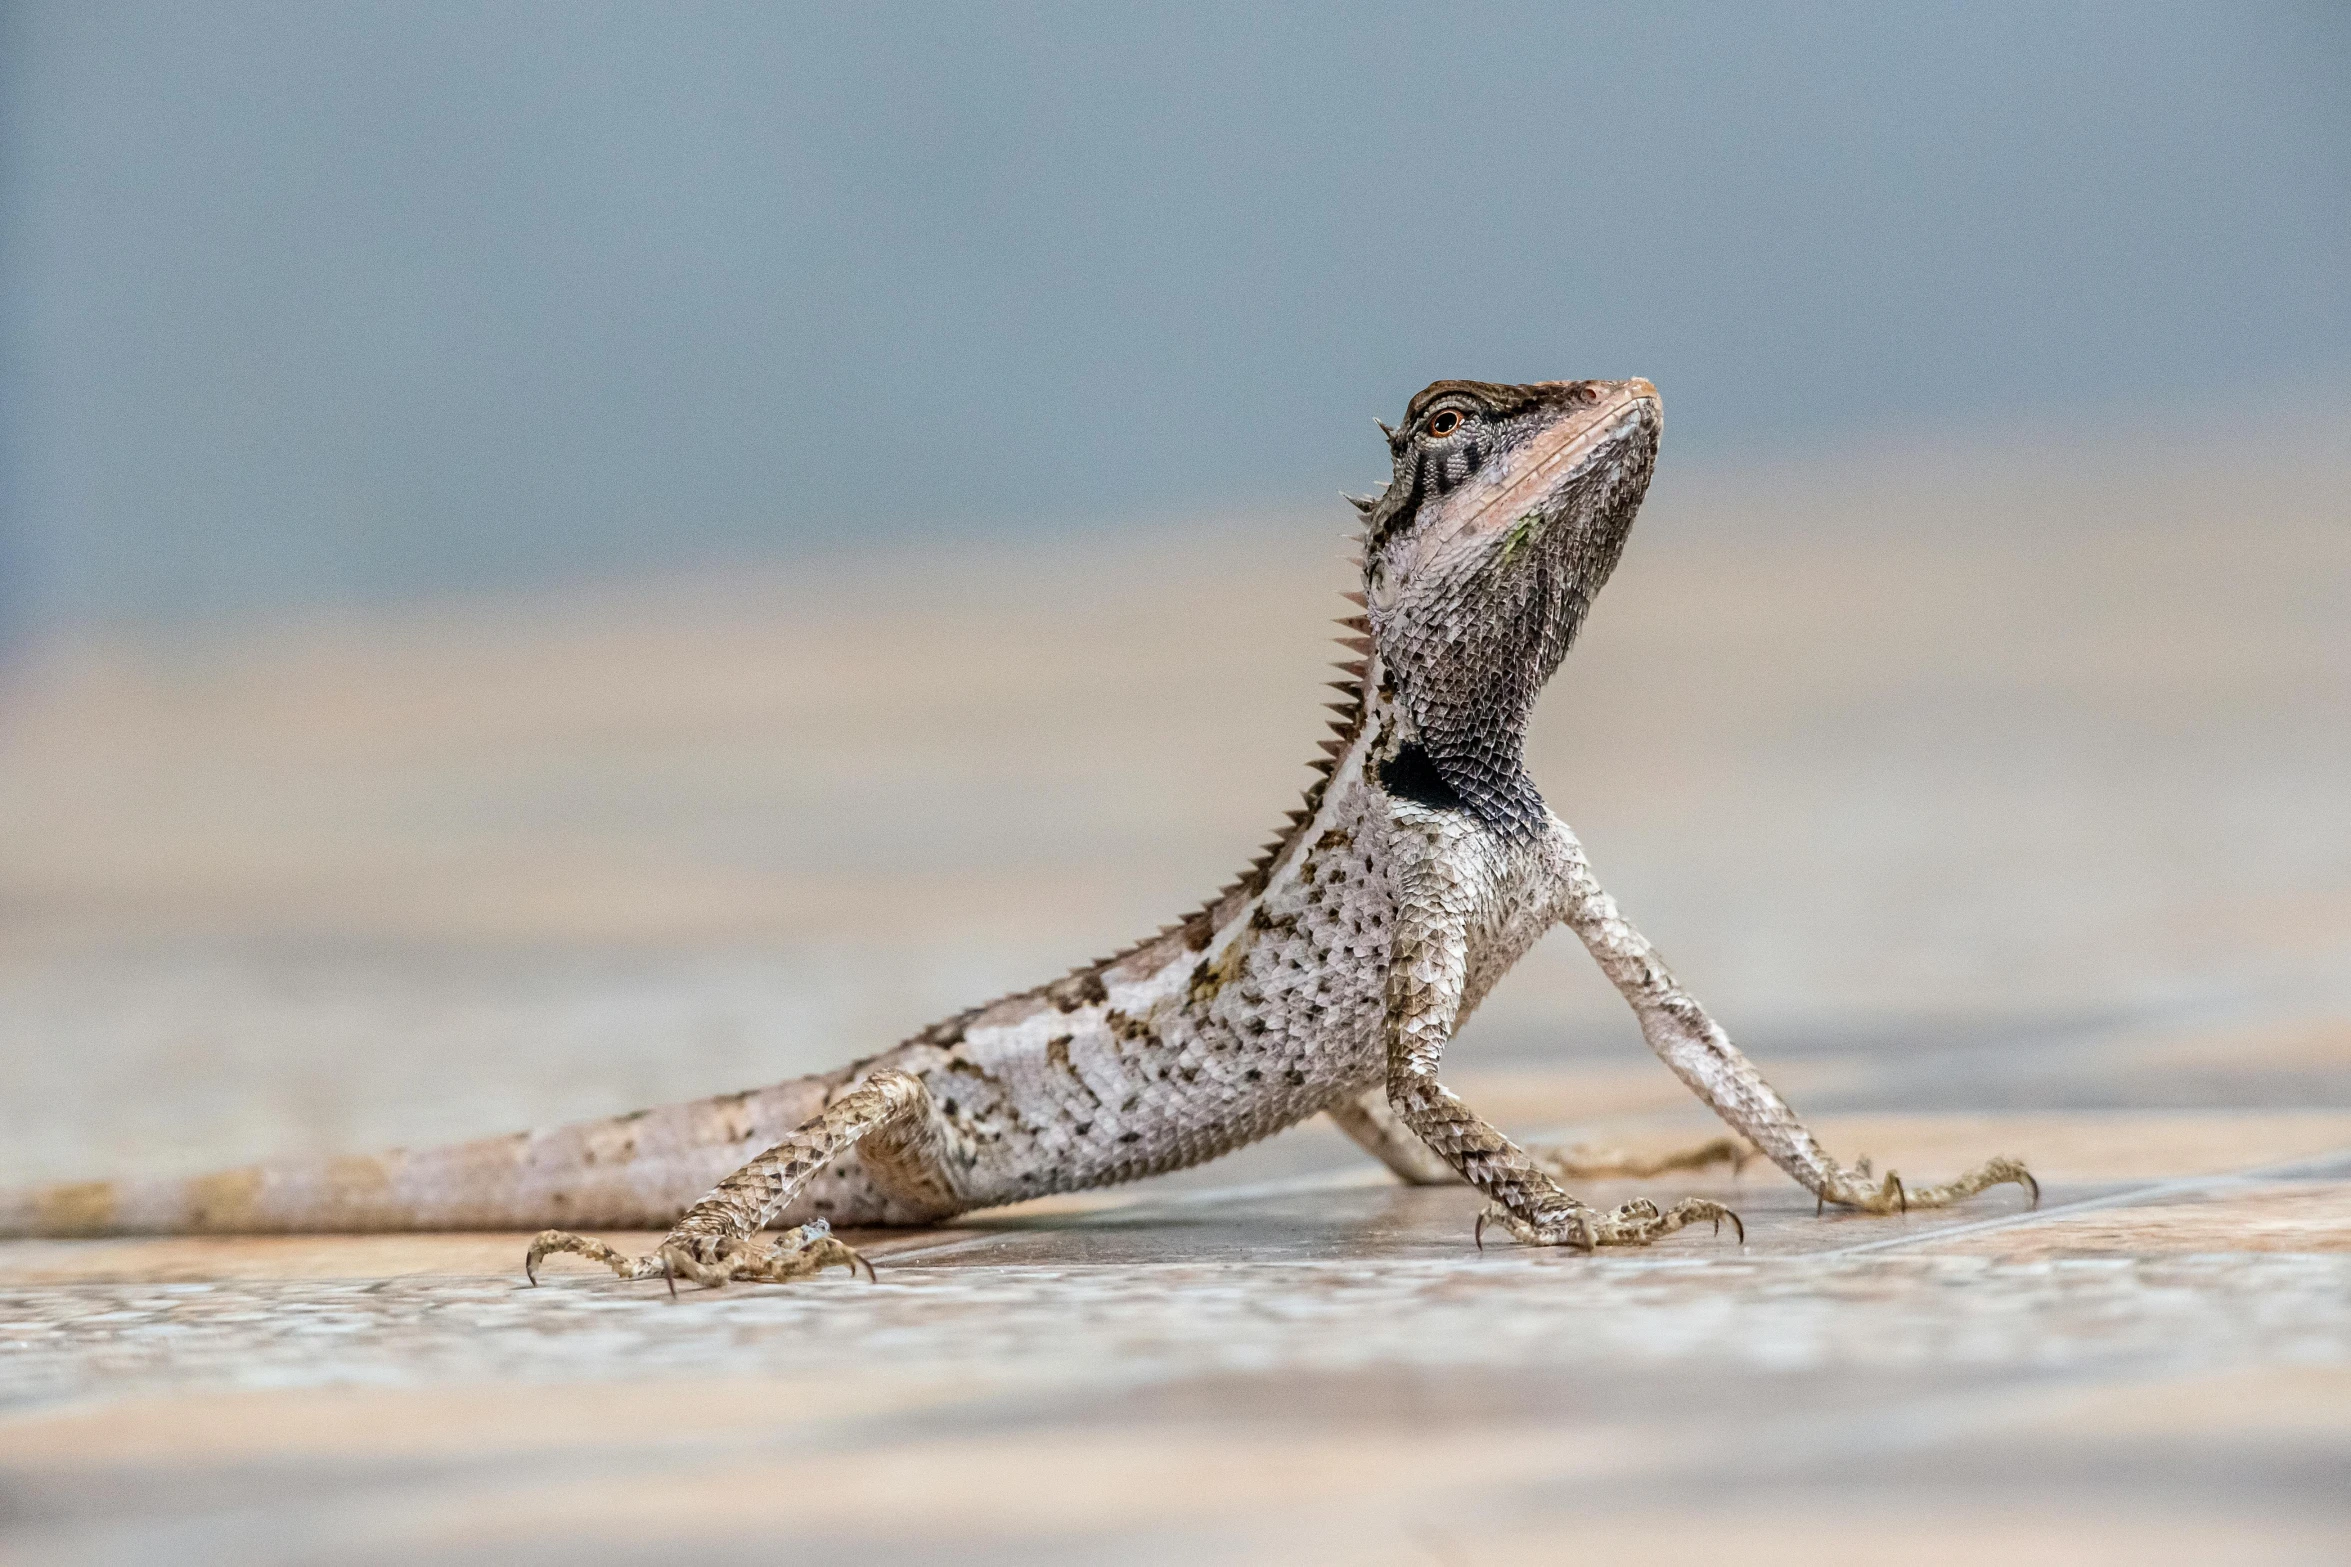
{"x":1329,"y":978}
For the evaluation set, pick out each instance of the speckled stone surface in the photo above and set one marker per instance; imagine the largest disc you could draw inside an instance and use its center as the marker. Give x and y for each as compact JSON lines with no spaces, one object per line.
{"x":2055,"y":743}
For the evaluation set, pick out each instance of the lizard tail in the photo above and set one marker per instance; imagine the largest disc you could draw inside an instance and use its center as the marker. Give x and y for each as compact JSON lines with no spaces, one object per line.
{"x":629,"y":1172}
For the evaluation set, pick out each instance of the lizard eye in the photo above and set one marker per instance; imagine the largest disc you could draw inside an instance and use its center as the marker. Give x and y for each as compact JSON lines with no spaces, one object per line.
{"x":1444,"y":422}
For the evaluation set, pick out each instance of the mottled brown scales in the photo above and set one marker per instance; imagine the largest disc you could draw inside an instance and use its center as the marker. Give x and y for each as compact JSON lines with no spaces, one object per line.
{"x":1329,"y":978}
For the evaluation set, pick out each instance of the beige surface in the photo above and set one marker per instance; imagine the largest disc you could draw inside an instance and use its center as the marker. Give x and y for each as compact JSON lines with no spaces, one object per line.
{"x":2056,"y":742}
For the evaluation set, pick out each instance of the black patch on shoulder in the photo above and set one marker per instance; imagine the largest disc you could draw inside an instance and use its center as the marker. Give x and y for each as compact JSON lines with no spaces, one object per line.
{"x":1410,"y":775}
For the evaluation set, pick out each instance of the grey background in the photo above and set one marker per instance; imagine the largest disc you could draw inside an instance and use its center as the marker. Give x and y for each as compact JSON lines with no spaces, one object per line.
{"x":309,"y":304}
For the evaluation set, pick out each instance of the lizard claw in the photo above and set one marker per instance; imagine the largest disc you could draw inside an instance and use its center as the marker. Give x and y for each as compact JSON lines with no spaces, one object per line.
{"x":548,"y":1242}
{"x":710,"y":1260}
{"x":1852,"y":1188}
{"x":1637,"y":1223}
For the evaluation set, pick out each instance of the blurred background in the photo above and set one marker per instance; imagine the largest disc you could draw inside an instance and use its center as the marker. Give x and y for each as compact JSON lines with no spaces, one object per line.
{"x":318,"y":305}
{"x":554,"y":556}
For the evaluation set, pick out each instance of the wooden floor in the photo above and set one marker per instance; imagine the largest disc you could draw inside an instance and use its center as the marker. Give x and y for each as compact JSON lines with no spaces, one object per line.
{"x":2057,"y":745}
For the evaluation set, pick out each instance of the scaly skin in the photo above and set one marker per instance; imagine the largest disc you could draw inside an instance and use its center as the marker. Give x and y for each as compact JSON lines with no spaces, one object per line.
{"x":1421,"y":866}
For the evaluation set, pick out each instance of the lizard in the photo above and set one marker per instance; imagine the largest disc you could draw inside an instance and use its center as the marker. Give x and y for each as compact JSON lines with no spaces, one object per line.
{"x":1329,"y":978}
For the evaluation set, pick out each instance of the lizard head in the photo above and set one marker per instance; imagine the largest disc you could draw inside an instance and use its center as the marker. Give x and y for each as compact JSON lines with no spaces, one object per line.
{"x":1507,"y":511}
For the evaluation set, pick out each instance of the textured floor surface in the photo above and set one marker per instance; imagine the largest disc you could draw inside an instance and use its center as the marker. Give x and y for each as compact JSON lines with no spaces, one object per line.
{"x":2057,"y":743}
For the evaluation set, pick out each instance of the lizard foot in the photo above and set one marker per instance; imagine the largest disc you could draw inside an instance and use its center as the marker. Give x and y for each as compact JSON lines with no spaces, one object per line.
{"x":1637,"y":1223}
{"x":710,"y":1260}
{"x":1582,"y":1162}
{"x":1858,"y":1188}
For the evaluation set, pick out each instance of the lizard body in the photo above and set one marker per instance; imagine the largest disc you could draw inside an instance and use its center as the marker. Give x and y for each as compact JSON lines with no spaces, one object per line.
{"x":1422,"y":865}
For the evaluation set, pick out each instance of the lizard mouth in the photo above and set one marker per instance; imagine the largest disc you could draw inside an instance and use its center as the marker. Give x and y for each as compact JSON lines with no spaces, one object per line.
{"x":1510,"y":504}
{"x":1535,"y":486}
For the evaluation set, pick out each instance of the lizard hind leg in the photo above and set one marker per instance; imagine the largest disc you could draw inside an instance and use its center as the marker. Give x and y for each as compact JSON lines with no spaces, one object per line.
{"x":1374,"y":1125}
{"x":1584,"y":1162}
{"x":889,"y":1117}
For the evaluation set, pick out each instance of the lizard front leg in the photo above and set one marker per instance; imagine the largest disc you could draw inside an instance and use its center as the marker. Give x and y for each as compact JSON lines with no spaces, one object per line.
{"x":1440,"y":879}
{"x":888,"y":1117}
{"x":1702,"y":1056}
